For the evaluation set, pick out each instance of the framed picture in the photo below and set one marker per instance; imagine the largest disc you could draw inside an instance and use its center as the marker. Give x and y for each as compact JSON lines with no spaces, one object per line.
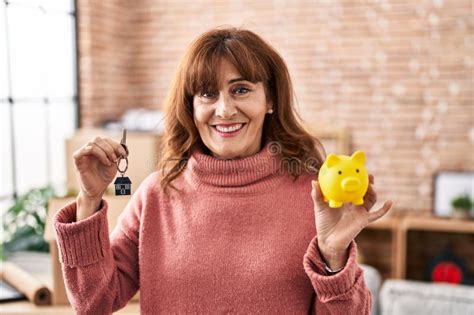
{"x":448,"y":185}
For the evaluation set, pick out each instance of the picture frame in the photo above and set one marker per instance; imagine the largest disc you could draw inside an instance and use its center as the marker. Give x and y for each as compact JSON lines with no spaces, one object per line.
{"x":448,"y":185}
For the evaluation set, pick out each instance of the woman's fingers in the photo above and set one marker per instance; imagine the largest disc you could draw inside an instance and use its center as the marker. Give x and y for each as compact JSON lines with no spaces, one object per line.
{"x":317,"y":195}
{"x":375,"y":215}
{"x":371,"y":179}
{"x":92,"y":150}
{"x":107,"y":147}
{"x":370,"y":198}
{"x":116,"y":146}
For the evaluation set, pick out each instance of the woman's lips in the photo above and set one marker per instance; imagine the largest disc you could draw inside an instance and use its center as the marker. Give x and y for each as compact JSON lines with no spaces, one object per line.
{"x":229,"y":130}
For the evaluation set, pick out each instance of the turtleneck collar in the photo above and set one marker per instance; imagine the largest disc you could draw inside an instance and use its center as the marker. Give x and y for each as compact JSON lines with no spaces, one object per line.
{"x":257,"y":172}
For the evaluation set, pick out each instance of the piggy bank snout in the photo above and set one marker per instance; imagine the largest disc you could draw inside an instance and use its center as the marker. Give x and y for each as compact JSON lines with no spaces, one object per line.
{"x":350,"y":184}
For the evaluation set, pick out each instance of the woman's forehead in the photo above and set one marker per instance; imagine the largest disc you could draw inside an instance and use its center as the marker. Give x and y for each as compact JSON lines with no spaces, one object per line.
{"x":211,"y":71}
{"x":228,"y":73}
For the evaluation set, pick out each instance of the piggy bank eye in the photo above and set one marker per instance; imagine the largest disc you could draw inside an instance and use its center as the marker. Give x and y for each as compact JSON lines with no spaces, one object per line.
{"x":340,"y":172}
{"x":357,"y":170}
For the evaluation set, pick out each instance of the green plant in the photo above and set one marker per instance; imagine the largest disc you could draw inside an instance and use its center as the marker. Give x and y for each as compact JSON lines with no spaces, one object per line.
{"x":24,"y":222}
{"x":462,"y":203}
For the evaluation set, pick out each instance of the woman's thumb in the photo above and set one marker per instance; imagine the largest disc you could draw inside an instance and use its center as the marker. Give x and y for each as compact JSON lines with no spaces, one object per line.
{"x":317,"y":194}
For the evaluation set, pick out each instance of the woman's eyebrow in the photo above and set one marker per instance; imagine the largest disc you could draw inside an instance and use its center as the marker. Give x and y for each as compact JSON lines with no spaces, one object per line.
{"x":236,"y":80}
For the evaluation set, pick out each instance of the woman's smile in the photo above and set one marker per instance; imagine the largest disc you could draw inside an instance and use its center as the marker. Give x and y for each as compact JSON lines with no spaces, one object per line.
{"x":228,"y":130}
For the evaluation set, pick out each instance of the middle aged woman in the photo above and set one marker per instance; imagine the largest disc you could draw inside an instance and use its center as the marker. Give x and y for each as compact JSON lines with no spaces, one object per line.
{"x":232,"y":222}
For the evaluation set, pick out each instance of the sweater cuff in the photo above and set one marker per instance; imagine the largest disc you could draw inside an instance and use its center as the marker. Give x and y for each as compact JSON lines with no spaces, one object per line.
{"x":85,"y":242}
{"x":333,"y":287}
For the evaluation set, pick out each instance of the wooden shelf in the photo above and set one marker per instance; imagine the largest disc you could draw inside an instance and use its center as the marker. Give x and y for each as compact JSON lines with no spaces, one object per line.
{"x":385,"y":243}
{"x":431,"y":223}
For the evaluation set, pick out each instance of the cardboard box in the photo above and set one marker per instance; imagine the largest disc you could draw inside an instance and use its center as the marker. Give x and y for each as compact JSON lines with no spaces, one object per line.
{"x":142,"y":159}
{"x":116,"y":206}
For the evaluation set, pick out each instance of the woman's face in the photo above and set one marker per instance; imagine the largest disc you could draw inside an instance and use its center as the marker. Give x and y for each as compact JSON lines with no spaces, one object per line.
{"x":230,"y":121}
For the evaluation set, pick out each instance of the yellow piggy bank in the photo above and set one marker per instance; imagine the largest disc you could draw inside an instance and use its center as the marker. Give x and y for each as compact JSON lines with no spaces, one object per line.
{"x":344,"y":178}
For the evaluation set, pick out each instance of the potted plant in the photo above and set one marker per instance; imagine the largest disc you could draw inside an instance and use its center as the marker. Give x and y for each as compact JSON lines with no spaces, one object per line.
{"x":461,"y":206}
{"x":24,"y":222}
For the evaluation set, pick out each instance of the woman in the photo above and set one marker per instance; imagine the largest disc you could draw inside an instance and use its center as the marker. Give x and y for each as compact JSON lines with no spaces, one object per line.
{"x":232,"y":220}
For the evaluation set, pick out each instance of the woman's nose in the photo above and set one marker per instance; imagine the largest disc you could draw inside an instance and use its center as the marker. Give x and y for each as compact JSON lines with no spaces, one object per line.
{"x":225,"y":108}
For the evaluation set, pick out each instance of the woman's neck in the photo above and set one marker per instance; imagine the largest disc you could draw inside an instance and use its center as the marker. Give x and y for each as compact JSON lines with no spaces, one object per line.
{"x":242,"y":155}
{"x":248,"y":174}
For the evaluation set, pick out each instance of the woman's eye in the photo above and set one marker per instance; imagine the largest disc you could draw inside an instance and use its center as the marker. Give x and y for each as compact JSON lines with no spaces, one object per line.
{"x":241,"y":90}
{"x":207,"y":94}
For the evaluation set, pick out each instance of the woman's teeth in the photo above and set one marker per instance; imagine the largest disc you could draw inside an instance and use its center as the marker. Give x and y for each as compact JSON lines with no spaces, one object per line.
{"x":229,"y":129}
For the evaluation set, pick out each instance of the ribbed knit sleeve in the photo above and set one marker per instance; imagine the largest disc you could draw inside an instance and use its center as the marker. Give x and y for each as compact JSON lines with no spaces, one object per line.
{"x":100,"y":270}
{"x":85,"y":242}
{"x":342,"y":293}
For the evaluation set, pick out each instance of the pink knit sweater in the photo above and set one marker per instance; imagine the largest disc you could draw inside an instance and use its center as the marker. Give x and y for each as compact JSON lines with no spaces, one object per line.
{"x":239,"y":238}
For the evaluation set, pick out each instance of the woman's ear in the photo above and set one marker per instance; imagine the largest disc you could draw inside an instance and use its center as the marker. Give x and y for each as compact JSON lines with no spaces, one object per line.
{"x":269,"y":106}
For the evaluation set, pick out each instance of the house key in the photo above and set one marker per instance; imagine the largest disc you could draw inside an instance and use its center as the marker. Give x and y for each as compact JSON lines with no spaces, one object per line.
{"x":124,"y":139}
{"x":123,"y":183}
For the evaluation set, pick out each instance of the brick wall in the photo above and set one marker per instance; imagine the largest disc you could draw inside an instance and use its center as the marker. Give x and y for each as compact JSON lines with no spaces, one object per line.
{"x":396,"y":74}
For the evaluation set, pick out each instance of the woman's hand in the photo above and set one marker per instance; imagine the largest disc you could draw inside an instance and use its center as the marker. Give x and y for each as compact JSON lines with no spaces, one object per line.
{"x":95,"y":165}
{"x":337,"y":227}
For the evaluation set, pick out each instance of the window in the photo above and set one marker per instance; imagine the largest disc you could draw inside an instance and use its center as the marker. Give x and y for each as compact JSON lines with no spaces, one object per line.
{"x":38,"y":94}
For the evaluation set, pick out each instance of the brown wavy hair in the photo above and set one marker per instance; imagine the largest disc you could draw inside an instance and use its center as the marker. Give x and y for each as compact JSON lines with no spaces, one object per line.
{"x":256,"y":61}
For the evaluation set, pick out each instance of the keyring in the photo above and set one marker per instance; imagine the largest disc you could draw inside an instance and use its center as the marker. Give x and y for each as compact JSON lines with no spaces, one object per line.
{"x":118,"y":164}
{"x":123,"y":185}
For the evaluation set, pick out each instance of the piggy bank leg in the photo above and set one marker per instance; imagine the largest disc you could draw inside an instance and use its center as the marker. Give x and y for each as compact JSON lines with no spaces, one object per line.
{"x":359,"y":202}
{"x":335,"y":204}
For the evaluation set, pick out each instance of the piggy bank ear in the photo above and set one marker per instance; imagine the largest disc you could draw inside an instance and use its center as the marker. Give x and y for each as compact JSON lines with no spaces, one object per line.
{"x":358,"y":156}
{"x":332,"y":160}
